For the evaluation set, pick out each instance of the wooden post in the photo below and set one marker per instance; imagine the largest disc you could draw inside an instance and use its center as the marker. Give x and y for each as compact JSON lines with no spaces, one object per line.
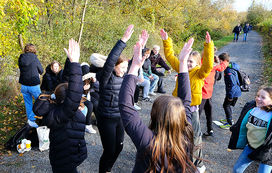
{"x":21,"y":43}
{"x":82,"y":21}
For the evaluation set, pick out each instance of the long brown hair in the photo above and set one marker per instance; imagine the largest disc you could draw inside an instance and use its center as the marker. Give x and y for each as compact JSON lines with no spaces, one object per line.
{"x":52,"y":64}
{"x":173,"y":136}
{"x":30,"y":48}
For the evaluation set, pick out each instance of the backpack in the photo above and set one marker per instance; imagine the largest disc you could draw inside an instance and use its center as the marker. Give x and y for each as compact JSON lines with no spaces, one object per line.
{"x":26,"y":132}
{"x":243,"y":80}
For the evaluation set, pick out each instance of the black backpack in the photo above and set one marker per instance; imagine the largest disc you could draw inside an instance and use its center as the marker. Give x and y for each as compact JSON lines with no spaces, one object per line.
{"x":243,"y":80}
{"x":26,"y":132}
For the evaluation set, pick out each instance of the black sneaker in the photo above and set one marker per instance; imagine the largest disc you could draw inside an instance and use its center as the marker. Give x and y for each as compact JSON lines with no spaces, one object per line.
{"x":161,"y":91}
{"x":210,"y":133}
{"x":147,"y":99}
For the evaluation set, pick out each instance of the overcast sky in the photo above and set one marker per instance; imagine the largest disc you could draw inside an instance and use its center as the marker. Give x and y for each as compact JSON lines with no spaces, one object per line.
{"x":242,"y":5}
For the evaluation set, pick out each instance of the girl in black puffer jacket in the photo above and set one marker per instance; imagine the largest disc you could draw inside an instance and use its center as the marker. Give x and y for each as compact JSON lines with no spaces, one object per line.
{"x":52,"y":77}
{"x":66,"y":119}
{"x":108,"y":119}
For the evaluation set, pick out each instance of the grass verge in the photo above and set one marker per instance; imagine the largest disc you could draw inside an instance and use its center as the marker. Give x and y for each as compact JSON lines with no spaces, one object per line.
{"x":12,"y":118}
{"x":223,"y":41}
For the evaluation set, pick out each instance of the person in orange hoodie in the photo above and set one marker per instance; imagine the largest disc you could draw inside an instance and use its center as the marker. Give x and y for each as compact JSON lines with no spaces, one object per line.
{"x":197,"y":73}
{"x":207,"y":90}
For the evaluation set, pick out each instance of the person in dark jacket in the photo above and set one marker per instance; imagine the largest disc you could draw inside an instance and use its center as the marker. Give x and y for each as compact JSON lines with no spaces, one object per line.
{"x":167,"y":144}
{"x":236,"y":30}
{"x":52,"y":77}
{"x":30,"y":69}
{"x":156,"y":59}
{"x":109,"y":122}
{"x":88,"y":79}
{"x":253,"y":133}
{"x":67,"y":118}
{"x":246,"y":30}
{"x":233,"y":90}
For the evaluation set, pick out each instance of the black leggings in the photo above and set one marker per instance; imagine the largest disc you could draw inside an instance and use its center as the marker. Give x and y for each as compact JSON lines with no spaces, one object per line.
{"x":92,"y":106}
{"x":206,"y":104}
{"x":112,"y":136}
{"x":226,"y":105}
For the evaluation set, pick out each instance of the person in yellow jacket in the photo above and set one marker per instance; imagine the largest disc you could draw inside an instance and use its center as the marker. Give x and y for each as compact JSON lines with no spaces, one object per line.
{"x":197,"y":73}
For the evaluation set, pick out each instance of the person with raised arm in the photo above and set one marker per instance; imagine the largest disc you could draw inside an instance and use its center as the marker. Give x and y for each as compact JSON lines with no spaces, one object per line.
{"x":197,"y":73}
{"x":109,"y":123}
{"x":66,"y":118}
{"x":167,"y":144}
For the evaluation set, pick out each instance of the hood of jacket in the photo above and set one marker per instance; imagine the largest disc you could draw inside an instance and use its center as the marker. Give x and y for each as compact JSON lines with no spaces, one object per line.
{"x":235,"y":66}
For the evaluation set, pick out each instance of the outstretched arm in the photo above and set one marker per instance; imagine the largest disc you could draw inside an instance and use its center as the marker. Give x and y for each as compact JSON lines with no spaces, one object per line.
{"x":169,"y":51}
{"x":184,"y":90}
{"x":74,"y":92}
{"x":113,"y":57}
{"x":208,"y":58}
{"x":139,"y":133}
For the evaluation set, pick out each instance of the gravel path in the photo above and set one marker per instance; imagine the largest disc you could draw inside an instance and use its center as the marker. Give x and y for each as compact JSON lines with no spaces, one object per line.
{"x":247,"y":55}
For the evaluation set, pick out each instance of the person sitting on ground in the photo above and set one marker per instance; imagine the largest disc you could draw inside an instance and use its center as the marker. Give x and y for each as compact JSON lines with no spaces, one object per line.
{"x":148,"y":75}
{"x":167,"y":144}
{"x":88,"y":80}
{"x":67,"y":118}
{"x":197,"y":73}
{"x":52,"y":77}
{"x":252,"y":133}
{"x":30,"y":69}
{"x":207,"y":90}
{"x":156,"y":59}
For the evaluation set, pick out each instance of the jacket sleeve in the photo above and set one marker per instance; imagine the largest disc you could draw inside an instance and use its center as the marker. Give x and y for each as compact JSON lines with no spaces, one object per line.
{"x":39,"y":66}
{"x":110,"y":63}
{"x":184,"y":93}
{"x":69,"y":107}
{"x":139,"y":133}
{"x":163,"y":63}
{"x":208,"y":59}
{"x":222,"y":66}
{"x":169,"y":54}
{"x":49,"y":81}
{"x":65,"y":74}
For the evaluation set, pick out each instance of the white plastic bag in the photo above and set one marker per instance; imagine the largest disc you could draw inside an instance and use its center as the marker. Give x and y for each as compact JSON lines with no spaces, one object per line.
{"x":43,"y":135}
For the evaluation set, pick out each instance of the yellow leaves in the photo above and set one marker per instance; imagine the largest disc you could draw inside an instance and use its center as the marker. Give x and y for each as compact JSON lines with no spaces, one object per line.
{"x":9,"y":153}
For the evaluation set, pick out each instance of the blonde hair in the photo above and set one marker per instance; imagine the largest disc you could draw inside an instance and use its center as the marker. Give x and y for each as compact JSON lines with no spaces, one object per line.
{"x":196,"y":56}
{"x":173,"y":136}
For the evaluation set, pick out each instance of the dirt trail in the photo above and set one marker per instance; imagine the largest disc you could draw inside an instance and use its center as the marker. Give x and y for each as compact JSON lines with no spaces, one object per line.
{"x":247,"y":55}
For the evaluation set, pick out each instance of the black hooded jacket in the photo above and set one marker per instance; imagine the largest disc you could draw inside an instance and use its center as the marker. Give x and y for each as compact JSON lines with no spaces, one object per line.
{"x":50,"y":79}
{"x":30,"y":68}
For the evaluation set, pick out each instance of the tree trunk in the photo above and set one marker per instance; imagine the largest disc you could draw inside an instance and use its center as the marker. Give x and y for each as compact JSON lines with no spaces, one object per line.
{"x":82,"y":21}
{"x":21,"y":43}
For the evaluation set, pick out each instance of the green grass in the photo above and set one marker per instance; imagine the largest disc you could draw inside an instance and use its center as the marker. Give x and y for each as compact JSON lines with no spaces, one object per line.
{"x":223,"y":41}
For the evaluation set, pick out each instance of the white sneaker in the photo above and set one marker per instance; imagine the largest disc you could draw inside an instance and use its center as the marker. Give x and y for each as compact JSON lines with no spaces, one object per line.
{"x":137,"y":107}
{"x":152,"y":94}
{"x":32,"y":123}
{"x":89,"y":129}
{"x":201,"y":169}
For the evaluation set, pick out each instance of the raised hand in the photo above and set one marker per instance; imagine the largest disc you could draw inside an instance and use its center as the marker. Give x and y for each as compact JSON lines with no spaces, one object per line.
{"x":208,"y":37}
{"x":164,"y":35}
{"x":73,"y":52}
{"x":138,"y":60}
{"x":143,"y":38}
{"x":184,"y":55}
{"x":186,"y":50}
{"x":128,"y":33}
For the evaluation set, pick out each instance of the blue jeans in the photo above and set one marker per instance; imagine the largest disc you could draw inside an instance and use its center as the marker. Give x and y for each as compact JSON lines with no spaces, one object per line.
{"x":245,"y":36}
{"x":29,"y":92}
{"x":153,"y":82}
{"x":146,"y":85}
{"x":243,"y":162}
{"x":236,"y":36}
